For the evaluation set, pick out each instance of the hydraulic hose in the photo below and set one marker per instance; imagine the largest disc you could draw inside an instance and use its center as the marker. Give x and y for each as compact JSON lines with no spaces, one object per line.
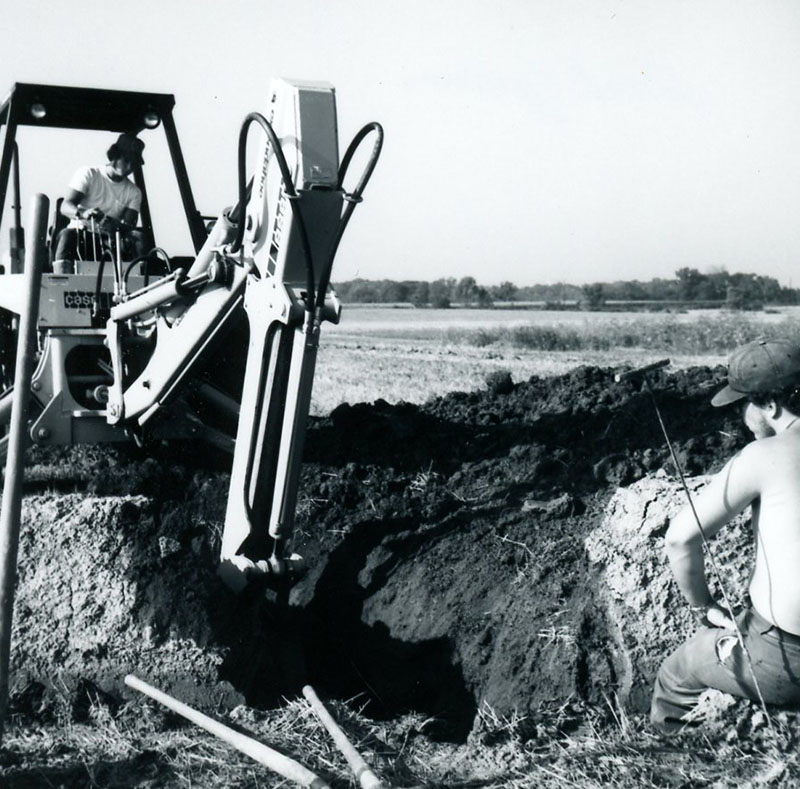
{"x":291,"y":193}
{"x":157,"y":251}
{"x":99,"y":284}
{"x":154,"y":252}
{"x":352,"y":199}
{"x":98,"y":287}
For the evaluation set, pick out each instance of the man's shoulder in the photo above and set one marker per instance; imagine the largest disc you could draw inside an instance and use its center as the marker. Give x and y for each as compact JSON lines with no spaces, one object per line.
{"x":91,"y":169}
{"x":85,"y":175}
{"x":756,"y":449}
{"x":765,"y":452}
{"x":747,"y":461}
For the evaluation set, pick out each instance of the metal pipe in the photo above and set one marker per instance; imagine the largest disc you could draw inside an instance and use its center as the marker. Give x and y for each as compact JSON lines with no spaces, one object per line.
{"x":179,"y":274}
{"x":217,"y":398}
{"x":120,"y":279}
{"x":362,"y":771}
{"x":261,"y":753}
{"x":11,"y":511}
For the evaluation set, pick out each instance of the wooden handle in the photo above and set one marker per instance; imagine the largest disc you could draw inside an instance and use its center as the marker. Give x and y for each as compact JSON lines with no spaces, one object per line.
{"x":263,"y":754}
{"x":641,"y":371}
{"x":361,"y":770}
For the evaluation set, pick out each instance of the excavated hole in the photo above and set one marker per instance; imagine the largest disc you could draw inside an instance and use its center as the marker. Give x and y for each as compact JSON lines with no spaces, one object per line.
{"x":448,"y":571}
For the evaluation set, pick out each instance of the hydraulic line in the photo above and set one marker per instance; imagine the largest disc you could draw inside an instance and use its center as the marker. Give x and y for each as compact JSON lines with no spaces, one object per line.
{"x":156,"y":252}
{"x":291,"y":194}
{"x":98,"y":287}
{"x":353,"y":199}
{"x":99,"y":284}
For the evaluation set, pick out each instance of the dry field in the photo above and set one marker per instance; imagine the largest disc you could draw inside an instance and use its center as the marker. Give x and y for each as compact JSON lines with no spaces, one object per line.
{"x":452,"y":542}
{"x":412,"y":355}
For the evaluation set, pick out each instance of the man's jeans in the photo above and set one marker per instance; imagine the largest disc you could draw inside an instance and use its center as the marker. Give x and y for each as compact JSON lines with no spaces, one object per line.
{"x":713,"y":658}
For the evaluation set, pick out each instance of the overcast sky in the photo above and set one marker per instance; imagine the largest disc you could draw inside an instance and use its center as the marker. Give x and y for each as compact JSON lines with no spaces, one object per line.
{"x":526,"y":140}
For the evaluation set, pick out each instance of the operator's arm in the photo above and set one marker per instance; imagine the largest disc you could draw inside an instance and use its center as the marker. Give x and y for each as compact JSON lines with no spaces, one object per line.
{"x":69,"y":206}
{"x":126,"y":222}
{"x":130,"y":214}
{"x":129,"y":217}
{"x":729,"y":492}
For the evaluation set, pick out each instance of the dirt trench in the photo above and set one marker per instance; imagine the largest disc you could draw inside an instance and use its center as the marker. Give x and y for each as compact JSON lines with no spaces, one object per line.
{"x":462,"y":553}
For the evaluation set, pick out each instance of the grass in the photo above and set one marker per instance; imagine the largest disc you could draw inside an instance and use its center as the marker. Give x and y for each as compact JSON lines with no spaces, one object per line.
{"x":414,"y":355}
{"x":700,"y":331}
{"x":714,"y":335}
{"x":571,"y":744}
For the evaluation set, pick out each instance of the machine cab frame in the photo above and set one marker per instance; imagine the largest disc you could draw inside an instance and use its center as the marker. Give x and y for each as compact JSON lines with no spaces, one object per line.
{"x":96,"y":109}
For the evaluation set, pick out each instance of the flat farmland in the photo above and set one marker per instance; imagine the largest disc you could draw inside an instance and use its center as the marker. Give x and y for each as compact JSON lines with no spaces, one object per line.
{"x":405,"y":354}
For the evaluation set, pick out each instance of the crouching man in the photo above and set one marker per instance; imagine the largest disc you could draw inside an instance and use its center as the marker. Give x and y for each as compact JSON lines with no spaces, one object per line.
{"x":764,"y":376}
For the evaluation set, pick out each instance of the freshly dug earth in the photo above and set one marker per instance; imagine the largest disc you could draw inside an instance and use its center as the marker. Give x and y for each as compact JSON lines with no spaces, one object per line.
{"x":466,"y":554}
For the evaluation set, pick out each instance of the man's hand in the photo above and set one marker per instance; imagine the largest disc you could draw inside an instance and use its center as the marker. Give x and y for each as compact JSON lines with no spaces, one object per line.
{"x":92,"y":213}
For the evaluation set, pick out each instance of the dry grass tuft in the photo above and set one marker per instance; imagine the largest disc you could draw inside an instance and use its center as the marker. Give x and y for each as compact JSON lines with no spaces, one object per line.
{"x":571,"y":744}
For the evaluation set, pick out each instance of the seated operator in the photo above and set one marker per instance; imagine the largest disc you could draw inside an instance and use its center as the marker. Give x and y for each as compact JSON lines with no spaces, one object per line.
{"x":764,"y":377}
{"x":104,"y":194}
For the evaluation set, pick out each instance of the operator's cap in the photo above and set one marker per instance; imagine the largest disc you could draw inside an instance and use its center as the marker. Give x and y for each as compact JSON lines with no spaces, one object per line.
{"x":129,"y":146}
{"x":760,"y":367}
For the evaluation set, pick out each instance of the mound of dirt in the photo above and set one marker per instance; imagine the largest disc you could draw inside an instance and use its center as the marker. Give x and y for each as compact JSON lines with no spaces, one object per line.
{"x":461,"y":554}
{"x":103,"y":591}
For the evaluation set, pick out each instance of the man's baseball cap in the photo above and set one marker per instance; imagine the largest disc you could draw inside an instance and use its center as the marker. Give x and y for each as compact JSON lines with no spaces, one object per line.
{"x":760,"y":367}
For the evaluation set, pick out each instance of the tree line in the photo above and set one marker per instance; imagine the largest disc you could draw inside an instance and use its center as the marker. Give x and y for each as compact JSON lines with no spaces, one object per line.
{"x":737,"y":291}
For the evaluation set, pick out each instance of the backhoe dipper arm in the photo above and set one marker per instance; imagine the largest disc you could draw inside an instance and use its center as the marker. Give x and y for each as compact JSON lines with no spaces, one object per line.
{"x":276,"y":261}
{"x":291,"y":222}
{"x":295,"y":220}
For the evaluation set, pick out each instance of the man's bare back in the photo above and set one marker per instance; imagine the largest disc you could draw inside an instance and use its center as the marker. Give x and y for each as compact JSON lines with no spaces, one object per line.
{"x":775,"y":584}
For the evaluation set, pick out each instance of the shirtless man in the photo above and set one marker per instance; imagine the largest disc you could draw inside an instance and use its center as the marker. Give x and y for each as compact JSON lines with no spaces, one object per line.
{"x":103,"y":194}
{"x":765,"y":475}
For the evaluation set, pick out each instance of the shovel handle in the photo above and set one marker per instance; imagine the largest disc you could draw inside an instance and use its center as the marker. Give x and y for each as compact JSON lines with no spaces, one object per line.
{"x":640,"y":372}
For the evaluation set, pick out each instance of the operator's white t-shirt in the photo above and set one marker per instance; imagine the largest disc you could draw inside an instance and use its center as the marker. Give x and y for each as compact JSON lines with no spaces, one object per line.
{"x":99,"y":191}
